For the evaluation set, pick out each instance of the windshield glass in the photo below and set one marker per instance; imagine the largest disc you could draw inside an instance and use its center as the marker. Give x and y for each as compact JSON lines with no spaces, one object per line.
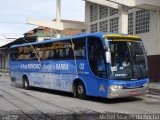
{"x":127,"y":59}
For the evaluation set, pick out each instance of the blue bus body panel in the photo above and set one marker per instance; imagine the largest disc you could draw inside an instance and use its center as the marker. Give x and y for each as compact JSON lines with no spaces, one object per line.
{"x":59,"y":75}
{"x":47,"y":74}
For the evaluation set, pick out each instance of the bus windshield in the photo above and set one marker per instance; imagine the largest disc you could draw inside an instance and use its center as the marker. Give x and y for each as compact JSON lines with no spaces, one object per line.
{"x":128,"y":60}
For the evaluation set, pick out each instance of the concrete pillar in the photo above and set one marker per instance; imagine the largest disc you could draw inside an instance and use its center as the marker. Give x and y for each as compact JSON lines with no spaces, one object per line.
{"x":0,"y":62}
{"x":98,"y":24}
{"x":58,"y":15}
{"x":58,"y":35}
{"x":6,"y":60}
{"x":87,"y":15}
{"x":58,"y":11}
{"x":123,"y":19}
{"x":158,"y":32}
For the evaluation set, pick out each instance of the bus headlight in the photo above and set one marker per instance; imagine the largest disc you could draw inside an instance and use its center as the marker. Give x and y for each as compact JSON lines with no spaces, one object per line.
{"x":113,"y":87}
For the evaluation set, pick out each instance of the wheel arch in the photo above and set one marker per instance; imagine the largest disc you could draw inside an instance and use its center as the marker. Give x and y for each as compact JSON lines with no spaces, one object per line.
{"x":24,"y":76}
{"x":80,"y":80}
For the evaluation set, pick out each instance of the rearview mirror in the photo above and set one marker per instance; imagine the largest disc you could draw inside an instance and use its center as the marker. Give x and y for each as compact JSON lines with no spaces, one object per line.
{"x":108,"y":57}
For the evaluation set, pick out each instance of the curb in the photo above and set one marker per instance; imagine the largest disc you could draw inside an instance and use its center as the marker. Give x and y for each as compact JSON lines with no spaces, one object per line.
{"x":153,"y":96}
{"x":154,"y":86}
{"x":4,"y":71}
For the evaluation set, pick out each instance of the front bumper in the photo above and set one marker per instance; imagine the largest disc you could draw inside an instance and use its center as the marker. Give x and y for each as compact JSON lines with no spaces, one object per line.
{"x":117,"y":93}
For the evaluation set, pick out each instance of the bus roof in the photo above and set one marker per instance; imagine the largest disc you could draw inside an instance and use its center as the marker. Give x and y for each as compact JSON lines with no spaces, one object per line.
{"x":97,"y":34}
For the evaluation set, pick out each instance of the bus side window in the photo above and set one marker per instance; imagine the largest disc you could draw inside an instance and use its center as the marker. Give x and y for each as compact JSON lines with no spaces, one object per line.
{"x":62,"y":53}
{"x":31,"y":55}
{"x":40,"y":54}
{"x":20,"y":53}
{"x":13,"y":57}
{"x":51,"y":54}
{"x":26,"y":52}
{"x":14,"y":54}
{"x":47,"y":54}
{"x":79,"y":49}
{"x":71,"y":53}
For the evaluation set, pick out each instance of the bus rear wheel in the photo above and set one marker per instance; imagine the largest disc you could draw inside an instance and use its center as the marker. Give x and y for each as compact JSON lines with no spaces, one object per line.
{"x":26,"y":83}
{"x":80,"y":90}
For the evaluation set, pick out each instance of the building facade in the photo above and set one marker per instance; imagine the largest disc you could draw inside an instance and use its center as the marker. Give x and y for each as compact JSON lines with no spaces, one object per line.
{"x":3,"y":59}
{"x":141,"y":22}
{"x":5,"y":51}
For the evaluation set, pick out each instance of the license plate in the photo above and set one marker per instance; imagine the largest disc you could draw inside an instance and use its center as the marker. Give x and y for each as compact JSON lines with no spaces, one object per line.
{"x":133,"y":92}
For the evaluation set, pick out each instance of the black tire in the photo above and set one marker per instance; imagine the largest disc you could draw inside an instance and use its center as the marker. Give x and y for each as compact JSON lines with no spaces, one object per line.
{"x":26,"y":83}
{"x":74,"y":91}
{"x":80,"y":90}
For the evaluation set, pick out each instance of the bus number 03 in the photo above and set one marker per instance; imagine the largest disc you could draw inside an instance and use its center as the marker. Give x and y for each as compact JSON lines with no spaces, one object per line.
{"x":81,"y":66}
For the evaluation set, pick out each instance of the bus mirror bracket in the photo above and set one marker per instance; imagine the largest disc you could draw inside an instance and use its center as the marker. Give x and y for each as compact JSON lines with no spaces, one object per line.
{"x":108,"y":57}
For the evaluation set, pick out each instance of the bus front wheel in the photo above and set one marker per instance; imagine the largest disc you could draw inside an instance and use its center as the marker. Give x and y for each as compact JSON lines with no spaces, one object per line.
{"x":26,"y":83}
{"x":80,"y":90}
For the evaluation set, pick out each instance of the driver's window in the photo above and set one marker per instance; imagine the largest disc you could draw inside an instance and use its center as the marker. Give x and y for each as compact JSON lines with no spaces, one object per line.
{"x":96,"y":57}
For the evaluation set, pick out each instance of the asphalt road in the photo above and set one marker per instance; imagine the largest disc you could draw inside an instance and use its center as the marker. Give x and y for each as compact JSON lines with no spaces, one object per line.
{"x":39,"y":104}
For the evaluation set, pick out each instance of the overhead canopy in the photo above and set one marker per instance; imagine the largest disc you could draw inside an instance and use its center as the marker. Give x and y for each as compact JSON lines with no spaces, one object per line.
{"x":56,"y":25}
{"x":144,"y":4}
{"x":105,"y":3}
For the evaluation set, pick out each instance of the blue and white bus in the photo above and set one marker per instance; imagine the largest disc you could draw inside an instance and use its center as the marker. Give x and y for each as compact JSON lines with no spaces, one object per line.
{"x":96,"y":64}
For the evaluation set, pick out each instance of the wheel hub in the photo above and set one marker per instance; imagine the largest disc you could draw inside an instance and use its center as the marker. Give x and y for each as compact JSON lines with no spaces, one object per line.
{"x":80,"y":90}
{"x":25,"y":83}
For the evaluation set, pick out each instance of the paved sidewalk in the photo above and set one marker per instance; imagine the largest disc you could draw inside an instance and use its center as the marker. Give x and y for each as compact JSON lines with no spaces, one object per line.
{"x":154,"y":85}
{"x":154,"y":90}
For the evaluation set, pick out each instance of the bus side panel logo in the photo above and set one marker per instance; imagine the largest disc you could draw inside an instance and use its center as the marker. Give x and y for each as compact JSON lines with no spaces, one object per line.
{"x":101,"y":88}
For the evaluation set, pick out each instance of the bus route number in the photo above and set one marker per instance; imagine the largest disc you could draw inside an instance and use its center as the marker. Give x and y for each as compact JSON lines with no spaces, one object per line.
{"x":81,"y":66}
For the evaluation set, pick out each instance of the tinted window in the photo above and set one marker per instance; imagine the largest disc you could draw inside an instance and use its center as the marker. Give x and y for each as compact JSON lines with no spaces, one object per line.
{"x":14,"y":54}
{"x":63,"y":49}
{"x":55,"y":50}
{"x":79,"y":47}
{"x":96,"y":57}
{"x":24,"y":53}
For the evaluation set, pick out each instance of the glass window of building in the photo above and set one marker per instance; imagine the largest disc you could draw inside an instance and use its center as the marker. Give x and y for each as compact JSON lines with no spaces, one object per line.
{"x":103,"y":12}
{"x":130,"y":23}
{"x":114,"y":25}
{"x":93,"y":12}
{"x":142,"y":21}
{"x":113,"y":11}
{"x":103,"y":26}
{"x":93,"y":28}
